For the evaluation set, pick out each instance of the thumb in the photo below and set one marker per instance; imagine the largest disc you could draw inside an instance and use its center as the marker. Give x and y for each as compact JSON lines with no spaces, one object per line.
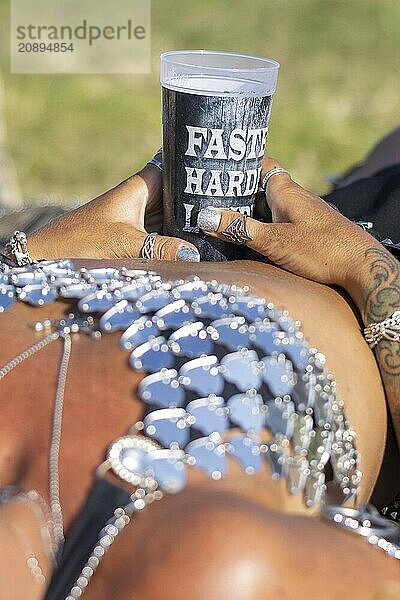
{"x":169,"y":248}
{"x":268,"y":239}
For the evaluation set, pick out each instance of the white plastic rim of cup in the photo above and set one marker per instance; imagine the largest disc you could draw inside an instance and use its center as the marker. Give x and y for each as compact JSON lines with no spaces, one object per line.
{"x":214,"y":73}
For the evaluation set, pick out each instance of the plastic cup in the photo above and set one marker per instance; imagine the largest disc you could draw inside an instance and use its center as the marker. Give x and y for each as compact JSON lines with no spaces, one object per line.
{"x":216,"y":112}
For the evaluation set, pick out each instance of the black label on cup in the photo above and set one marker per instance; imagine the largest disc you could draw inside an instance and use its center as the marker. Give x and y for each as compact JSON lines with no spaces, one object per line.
{"x":213,"y":146}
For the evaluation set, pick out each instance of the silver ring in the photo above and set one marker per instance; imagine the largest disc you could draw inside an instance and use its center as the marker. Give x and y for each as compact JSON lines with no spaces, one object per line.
{"x":271,"y":173}
{"x":237,"y":232}
{"x":147,"y":250}
{"x":16,"y":249}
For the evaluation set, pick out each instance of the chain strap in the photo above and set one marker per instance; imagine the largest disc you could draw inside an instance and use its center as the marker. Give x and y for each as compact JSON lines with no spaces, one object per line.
{"x":54,"y":475}
{"x":17,"y":360}
{"x":54,"y":457}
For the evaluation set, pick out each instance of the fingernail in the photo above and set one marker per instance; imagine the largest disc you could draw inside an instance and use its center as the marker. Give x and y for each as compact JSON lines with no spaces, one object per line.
{"x":209,"y":219}
{"x":187,"y":254}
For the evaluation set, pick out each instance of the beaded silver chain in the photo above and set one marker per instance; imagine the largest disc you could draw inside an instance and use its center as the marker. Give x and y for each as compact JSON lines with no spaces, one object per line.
{"x":64,"y":327}
{"x":54,"y":458}
{"x":121,"y":518}
{"x":378,"y":531}
{"x":17,"y":360}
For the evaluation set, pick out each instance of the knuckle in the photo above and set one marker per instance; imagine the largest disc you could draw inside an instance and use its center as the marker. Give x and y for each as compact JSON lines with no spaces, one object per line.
{"x":165,"y":247}
{"x":227,"y":217}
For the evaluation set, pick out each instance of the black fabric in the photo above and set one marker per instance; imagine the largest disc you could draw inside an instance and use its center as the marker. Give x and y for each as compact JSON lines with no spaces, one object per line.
{"x":103,"y":499}
{"x":375,"y":199}
{"x":387,"y":484}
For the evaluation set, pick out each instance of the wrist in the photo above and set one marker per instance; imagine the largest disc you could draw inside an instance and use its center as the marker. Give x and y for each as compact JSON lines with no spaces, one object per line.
{"x":152,"y":176}
{"x":372,"y":267}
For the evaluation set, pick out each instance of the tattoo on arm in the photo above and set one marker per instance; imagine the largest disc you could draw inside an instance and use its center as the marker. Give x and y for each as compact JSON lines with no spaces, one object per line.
{"x":382,"y":299}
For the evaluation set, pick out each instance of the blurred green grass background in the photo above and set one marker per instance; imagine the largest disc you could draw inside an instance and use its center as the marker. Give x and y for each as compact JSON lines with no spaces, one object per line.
{"x":73,"y":136}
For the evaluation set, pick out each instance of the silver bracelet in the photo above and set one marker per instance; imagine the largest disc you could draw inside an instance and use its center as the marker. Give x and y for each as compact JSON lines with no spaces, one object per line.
{"x":389,"y":329}
{"x":154,"y":161}
{"x":16,"y":249}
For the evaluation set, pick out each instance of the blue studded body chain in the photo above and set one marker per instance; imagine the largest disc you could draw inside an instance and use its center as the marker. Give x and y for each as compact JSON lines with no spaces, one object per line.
{"x":228,"y":375}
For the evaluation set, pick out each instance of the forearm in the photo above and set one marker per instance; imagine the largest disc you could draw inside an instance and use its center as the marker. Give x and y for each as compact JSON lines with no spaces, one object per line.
{"x":376,"y":291}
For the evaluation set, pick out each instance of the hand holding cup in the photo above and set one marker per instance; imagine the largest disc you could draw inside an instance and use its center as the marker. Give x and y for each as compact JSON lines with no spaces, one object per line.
{"x":307,"y":236}
{"x":124,"y":222}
